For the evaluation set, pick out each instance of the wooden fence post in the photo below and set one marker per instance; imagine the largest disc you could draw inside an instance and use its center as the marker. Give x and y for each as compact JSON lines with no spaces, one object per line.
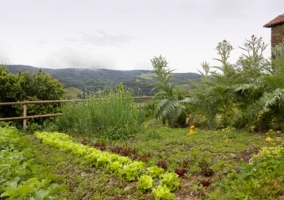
{"x":25,"y":115}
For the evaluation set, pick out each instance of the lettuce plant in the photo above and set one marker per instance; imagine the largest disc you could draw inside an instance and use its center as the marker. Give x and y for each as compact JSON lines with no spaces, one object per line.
{"x":114,"y":167}
{"x":124,"y":160}
{"x":163,"y":193}
{"x":21,"y":174}
{"x":102,"y":161}
{"x":145,"y":183}
{"x":131,"y":171}
{"x":155,"y":171}
{"x":116,"y":164}
{"x":170,"y":180}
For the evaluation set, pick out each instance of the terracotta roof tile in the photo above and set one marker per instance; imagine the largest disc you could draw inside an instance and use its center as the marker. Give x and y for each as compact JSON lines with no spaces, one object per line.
{"x":278,"y":20}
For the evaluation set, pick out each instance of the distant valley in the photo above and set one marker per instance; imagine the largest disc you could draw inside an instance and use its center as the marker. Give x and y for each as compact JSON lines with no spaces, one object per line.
{"x":77,"y":81}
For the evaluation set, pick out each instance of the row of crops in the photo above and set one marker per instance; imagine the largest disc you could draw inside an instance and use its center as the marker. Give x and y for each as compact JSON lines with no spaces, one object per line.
{"x":150,"y":179}
{"x":21,"y":174}
{"x":24,"y":175}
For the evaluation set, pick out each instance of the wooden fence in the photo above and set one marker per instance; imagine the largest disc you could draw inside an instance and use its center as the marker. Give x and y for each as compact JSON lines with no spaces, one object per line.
{"x":25,"y":108}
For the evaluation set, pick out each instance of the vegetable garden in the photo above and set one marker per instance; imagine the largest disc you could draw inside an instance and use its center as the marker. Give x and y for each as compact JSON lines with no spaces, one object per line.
{"x":160,"y":163}
{"x":221,"y":140}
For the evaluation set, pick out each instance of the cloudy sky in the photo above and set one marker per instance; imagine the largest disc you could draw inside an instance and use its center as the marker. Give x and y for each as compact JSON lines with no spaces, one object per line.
{"x":126,"y":34}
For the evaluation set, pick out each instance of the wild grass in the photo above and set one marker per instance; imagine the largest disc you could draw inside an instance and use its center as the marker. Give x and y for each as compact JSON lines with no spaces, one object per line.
{"x":112,"y":115}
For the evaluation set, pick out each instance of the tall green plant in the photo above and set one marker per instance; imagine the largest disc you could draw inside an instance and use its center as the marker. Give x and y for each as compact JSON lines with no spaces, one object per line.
{"x":246,"y":94}
{"x":113,"y":115}
{"x":163,"y":77}
{"x":170,"y":109}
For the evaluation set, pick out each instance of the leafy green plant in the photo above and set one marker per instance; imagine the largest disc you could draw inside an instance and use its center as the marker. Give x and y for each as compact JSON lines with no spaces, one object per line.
{"x":247,"y":94}
{"x":163,"y":193}
{"x":112,"y":115}
{"x":261,"y":178}
{"x":151,"y":135}
{"x":170,"y":109}
{"x":132,"y":171}
{"x":155,"y":171}
{"x":22,"y":177}
{"x":31,"y":87}
{"x":205,"y":163}
{"x":196,"y":188}
{"x":123,"y":166}
{"x":114,"y":167}
{"x":145,"y":183}
{"x":163,"y":76}
{"x":171,"y":180}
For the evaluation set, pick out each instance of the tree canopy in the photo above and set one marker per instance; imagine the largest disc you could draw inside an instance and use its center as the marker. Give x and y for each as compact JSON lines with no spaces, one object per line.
{"x":27,"y":86}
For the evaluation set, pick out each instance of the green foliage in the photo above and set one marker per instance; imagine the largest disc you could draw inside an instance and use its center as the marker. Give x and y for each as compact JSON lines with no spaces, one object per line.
{"x":132,"y":171}
{"x":77,"y":81}
{"x":169,"y":109}
{"x":260,"y":179}
{"x":155,"y":171}
{"x":30,"y":87}
{"x":163,"y":76}
{"x":72,"y":92}
{"x":149,"y":108}
{"x":22,"y":177}
{"x":114,"y":167}
{"x":170,"y":180}
{"x":145,"y":183}
{"x":112,"y":116}
{"x":248,"y":94}
{"x":121,"y":166}
{"x":163,"y":193}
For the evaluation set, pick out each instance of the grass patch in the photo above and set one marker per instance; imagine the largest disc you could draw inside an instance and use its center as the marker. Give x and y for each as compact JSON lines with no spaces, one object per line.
{"x":72,"y":92}
{"x":147,"y":76}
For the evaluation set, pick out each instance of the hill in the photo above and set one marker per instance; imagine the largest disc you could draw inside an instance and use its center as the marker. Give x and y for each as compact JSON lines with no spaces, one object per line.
{"x":140,"y":82}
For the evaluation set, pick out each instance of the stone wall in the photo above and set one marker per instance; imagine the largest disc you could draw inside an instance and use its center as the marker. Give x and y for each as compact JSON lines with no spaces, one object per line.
{"x":277,"y":35}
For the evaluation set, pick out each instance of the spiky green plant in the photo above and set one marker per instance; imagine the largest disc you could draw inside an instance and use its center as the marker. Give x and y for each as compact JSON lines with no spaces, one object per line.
{"x":170,"y":109}
{"x":246,"y":94}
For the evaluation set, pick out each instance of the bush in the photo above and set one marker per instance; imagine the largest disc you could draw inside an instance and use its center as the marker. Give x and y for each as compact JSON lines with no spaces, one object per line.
{"x":31,"y":87}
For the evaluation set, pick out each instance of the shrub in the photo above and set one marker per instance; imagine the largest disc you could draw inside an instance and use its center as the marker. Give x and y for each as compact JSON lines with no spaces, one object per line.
{"x":31,"y":87}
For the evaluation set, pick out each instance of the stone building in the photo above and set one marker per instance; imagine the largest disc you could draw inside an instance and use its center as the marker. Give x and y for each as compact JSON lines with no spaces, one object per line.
{"x":277,"y":30}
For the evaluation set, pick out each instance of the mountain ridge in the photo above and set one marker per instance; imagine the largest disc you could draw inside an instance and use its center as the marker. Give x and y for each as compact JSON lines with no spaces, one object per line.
{"x":140,"y":82}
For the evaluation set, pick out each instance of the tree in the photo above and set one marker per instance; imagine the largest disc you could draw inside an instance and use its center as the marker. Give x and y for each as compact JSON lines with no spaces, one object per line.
{"x":10,"y":90}
{"x":26,"y":86}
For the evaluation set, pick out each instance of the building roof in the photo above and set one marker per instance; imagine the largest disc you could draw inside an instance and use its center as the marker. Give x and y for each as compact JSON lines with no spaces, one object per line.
{"x":277,"y":21}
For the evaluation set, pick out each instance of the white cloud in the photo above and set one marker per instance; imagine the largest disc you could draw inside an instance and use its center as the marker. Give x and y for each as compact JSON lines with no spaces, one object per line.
{"x":75,"y":58}
{"x":102,"y":38}
{"x":126,"y":34}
